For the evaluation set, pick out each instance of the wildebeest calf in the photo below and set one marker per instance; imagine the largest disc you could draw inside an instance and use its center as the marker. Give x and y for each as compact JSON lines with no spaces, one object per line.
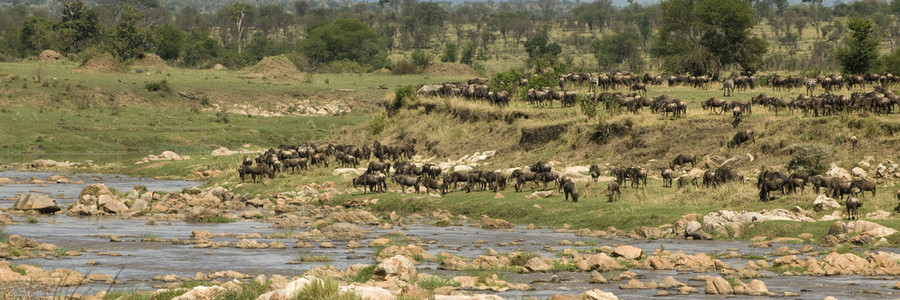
{"x":569,"y":189}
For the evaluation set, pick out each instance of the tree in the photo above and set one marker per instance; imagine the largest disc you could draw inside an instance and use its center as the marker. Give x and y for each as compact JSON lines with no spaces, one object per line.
{"x":200,"y":50}
{"x":128,"y":40}
{"x":704,"y":36}
{"x":860,"y":49}
{"x":238,"y":13}
{"x":35,"y":36}
{"x":595,"y":14}
{"x":541,"y":52}
{"x":168,"y":40}
{"x":345,"y":39}
{"x":79,"y":26}
{"x":612,"y":50}
{"x":422,"y":20}
{"x":301,"y":7}
{"x":450,"y":53}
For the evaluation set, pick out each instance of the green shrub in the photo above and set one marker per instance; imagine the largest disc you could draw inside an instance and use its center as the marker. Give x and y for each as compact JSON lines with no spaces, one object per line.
{"x":158,"y":86}
{"x":325,"y":289}
{"x":809,"y":158}
{"x":363,"y":275}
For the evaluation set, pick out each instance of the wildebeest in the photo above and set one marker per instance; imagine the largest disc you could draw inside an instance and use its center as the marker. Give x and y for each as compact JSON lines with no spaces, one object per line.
{"x":667,"y":176}
{"x":540,"y":167}
{"x":569,"y":190}
{"x":595,"y":172}
{"x":769,"y":185}
{"x":864,"y":185}
{"x":853,"y":206}
{"x":854,"y":141}
{"x":375,"y":166}
{"x":404,"y":182}
{"x":685,"y":180}
{"x":840,"y":187}
{"x":818,"y":181}
{"x":451,"y":180}
{"x":612,"y":191}
{"x":431,"y":184}
{"x":370,"y":182}
{"x":682,"y":159}
{"x":256,"y":172}
{"x":714,"y":104}
{"x":742,"y":137}
{"x":545,"y":177}
{"x":897,"y":209}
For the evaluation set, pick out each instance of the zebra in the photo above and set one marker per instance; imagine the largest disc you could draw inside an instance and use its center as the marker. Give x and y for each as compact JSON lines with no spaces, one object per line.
{"x":728,"y":88}
{"x":810,"y":86}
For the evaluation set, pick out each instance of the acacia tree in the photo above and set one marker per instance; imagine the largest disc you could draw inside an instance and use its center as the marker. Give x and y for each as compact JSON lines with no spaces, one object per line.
{"x":860,"y":49}
{"x":705,"y":36}
{"x":239,"y":13}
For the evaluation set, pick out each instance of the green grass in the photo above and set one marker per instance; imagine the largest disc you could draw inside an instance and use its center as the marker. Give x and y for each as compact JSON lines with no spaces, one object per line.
{"x":309,"y":257}
{"x":249,"y":290}
{"x":363,"y":275}
{"x":220,"y":219}
{"x":60,"y":252}
{"x":325,"y":289}
{"x":31,"y":220}
{"x":435,"y":282}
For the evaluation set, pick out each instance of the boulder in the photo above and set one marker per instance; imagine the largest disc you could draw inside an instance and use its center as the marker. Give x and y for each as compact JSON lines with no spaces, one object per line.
{"x":290,"y":290}
{"x":368,"y":292}
{"x":39,"y":202}
{"x":539,"y":264}
{"x":597,"y":294}
{"x":596,"y":277}
{"x":347,"y":171}
{"x":6,"y":180}
{"x":539,"y":195}
{"x":358,"y":217}
{"x":111,"y":205}
{"x":398,"y":267}
{"x":16,"y":241}
{"x":628,"y":252}
{"x":859,"y":173}
{"x":202,"y":293}
{"x":694,"y":230}
{"x":6,"y":219}
{"x":836,"y":171}
{"x":599,"y":262}
{"x":718,"y":286}
{"x":342,"y":231}
{"x":468,"y":297}
{"x":490,"y":223}
{"x":670,"y":282}
{"x":861,"y":226}
{"x":823,"y":202}
{"x":878,"y":215}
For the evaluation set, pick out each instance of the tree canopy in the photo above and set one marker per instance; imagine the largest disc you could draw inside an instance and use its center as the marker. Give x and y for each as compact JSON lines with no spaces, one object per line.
{"x":860,"y":49}
{"x":345,"y":39}
{"x":704,"y":36}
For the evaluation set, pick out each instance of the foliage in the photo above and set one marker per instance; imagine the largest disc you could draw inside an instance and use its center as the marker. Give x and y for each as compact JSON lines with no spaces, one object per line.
{"x":128,"y":38}
{"x":507,"y":81}
{"x":157,"y":86}
{"x":247,"y":290}
{"x":541,"y":52}
{"x":809,"y":159}
{"x":614,"y":49}
{"x":450,"y":53}
{"x":169,"y":41}
{"x":201,"y":51}
{"x":860,"y":49}
{"x":420,"y":59}
{"x":468,"y":53}
{"x":705,"y":36}
{"x":80,"y":25}
{"x":588,"y":106}
{"x":345,"y":39}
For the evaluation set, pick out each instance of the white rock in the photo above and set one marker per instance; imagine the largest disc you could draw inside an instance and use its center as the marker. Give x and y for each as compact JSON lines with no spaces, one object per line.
{"x":823,"y":202}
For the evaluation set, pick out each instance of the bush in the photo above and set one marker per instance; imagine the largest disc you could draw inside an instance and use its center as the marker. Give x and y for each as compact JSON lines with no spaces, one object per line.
{"x":343,"y":66}
{"x":420,"y":59}
{"x":809,"y":159}
{"x":401,"y":97}
{"x":450,"y":53}
{"x":377,"y":125}
{"x":588,"y":106}
{"x":404,"y":67}
{"x":468,"y":53}
{"x":158,"y":86}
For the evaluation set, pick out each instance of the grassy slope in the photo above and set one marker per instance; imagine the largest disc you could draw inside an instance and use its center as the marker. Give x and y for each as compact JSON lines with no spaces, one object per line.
{"x":74,"y":113}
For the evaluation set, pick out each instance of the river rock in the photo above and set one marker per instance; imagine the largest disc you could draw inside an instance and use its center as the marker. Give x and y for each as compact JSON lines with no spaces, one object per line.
{"x":599,"y":262}
{"x":539,"y":264}
{"x":368,"y":292}
{"x":597,"y":294}
{"x":596,"y":277}
{"x":6,"y":180}
{"x":411,"y":251}
{"x":39,"y":202}
{"x":861,"y":226}
{"x":669,"y":282}
{"x":200,"y":214}
{"x":718,"y":286}
{"x":342,"y":231}
{"x":823,"y":202}
{"x":878,"y":215}
{"x":489,"y":223}
{"x":859,"y":173}
{"x":6,"y":219}
{"x":111,"y":205}
{"x":290,"y":290}
{"x":358,"y":217}
{"x":16,"y":241}
{"x":202,"y":293}
{"x":468,"y":297}
{"x":628,"y":252}
{"x":694,"y":230}
{"x":399,"y":267}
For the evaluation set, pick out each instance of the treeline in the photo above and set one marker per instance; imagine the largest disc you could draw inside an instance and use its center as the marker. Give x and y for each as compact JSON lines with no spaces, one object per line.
{"x":677,"y":36}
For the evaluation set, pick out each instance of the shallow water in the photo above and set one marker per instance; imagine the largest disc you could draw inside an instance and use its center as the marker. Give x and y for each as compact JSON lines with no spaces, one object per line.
{"x":140,"y":261}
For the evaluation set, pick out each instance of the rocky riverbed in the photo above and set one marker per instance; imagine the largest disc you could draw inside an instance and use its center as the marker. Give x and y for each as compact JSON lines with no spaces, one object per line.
{"x":116,"y":233}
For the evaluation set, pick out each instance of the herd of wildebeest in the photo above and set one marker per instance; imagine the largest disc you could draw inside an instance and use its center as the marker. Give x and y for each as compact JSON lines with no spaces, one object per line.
{"x":291,"y":159}
{"x":392,"y":163}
